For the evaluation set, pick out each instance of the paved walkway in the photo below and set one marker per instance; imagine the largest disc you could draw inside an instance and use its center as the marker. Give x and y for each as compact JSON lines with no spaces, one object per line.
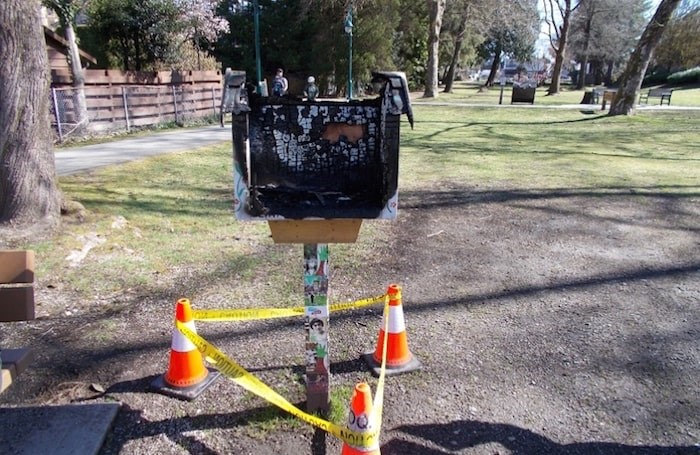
{"x":76,"y":159}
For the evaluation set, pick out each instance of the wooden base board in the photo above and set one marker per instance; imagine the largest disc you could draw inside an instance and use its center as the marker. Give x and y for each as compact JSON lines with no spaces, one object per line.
{"x":315,"y":231}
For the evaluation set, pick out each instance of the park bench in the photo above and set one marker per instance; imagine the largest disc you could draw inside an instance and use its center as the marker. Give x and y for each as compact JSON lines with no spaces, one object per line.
{"x":663,"y":94}
{"x":16,"y":304}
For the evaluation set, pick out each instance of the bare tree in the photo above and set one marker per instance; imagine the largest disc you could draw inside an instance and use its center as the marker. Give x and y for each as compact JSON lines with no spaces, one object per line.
{"x":586,"y":21}
{"x":437,"y":9}
{"x":512,"y":30}
{"x":602,"y":34}
{"x":631,"y":80}
{"x":66,"y":10}
{"x":462,"y":17}
{"x":28,"y":193}
{"x":557,"y":16}
{"x":467,"y":20}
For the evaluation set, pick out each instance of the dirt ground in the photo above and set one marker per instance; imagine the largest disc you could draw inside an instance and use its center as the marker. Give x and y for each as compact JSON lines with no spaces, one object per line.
{"x":547,"y":322}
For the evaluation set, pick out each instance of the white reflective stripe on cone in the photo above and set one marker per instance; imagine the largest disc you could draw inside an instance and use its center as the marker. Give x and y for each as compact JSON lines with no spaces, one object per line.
{"x":180,"y":341}
{"x":396,"y":321}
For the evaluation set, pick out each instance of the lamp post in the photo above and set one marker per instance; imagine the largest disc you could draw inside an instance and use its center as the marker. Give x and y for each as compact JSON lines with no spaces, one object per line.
{"x":348,"y":30}
{"x":258,"y":66}
{"x":503,"y":78}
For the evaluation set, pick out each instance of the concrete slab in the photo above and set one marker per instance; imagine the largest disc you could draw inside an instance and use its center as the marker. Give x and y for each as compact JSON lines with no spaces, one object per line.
{"x":77,"y":429}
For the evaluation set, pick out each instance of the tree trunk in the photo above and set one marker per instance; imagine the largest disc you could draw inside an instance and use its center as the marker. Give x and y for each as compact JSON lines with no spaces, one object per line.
{"x":596,"y":72}
{"x":609,"y":73}
{"x":632,"y":77}
{"x":555,"y":86}
{"x":450,"y":77}
{"x":494,"y":66}
{"x":137,"y":54}
{"x":78,"y":77}
{"x":581,"y":82}
{"x":437,"y":8}
{"x":584,"y":61}
{"x":28,"y":193}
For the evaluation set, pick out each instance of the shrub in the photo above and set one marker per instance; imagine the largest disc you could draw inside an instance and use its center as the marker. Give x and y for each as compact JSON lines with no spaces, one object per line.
{"x":656,"y":77}
{"x":685,"y":77}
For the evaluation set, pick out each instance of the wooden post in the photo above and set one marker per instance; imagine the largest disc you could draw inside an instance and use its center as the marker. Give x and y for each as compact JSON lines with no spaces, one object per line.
{"x":175,"y":103}
{"x":316,"y":325}
{"x":126,"y":109}
{"x":316,"y":300}
{"x":58,"y":115}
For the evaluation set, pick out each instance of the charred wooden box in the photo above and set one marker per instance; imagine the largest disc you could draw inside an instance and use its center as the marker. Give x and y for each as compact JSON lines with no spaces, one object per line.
{"x":323,"y":159}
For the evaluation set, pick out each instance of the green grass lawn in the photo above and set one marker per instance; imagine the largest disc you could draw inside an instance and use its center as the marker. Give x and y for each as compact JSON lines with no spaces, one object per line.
{"x":555,"y":148}
{"x":469,"y":92}
{"x":167,"y":213}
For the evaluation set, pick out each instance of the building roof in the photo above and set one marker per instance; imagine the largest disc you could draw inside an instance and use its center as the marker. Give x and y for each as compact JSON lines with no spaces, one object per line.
{"x":58,"y":42}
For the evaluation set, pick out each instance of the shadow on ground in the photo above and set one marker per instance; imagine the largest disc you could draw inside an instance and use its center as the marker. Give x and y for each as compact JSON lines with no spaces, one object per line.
{"x":464,"y":434}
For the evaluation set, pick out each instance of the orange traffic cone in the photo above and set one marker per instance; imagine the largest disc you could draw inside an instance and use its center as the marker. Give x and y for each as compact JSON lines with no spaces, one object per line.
{"x":187,"y":376}
{"x":398,"y":358}
{"x":361,"y":420}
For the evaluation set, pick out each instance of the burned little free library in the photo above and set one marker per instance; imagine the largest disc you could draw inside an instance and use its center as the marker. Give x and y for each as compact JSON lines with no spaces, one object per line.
{"x":314,"y":170}
{"x":324,"y":159}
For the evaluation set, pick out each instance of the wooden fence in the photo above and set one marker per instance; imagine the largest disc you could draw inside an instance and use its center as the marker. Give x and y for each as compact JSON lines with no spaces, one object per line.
{"x":118,"y":100}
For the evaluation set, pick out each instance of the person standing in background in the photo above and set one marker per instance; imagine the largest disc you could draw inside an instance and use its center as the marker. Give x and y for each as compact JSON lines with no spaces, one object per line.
{"x":311,"y":90}
{"x":280,"y":85}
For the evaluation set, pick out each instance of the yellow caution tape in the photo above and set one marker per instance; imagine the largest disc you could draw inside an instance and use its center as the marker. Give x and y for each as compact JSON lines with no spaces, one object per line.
{"x":250,"y":314}
{"x":357,"y":303}
{"x":242,"y":377}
